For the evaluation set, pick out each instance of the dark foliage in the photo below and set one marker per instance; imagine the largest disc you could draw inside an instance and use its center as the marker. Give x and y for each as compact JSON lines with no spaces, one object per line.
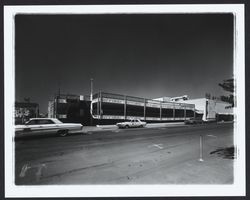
{"x":228,"y":85}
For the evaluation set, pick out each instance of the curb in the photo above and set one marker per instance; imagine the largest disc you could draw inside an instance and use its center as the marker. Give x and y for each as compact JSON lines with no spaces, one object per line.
{"x":149,"y":125}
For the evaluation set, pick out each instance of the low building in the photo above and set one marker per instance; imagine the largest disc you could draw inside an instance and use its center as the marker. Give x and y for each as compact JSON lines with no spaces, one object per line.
{"x":70,"y":108}
{"x":51,"y":110}
{"x":109,"y":108}
{"x":212,"y":109}
{"x":24,"y":111}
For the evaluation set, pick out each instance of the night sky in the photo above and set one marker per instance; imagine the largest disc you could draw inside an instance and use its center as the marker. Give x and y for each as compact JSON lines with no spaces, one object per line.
{"x":139,"y":55}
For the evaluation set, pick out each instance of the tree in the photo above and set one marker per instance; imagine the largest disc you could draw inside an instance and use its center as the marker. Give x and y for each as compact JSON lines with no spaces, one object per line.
{"x":228,"y":85}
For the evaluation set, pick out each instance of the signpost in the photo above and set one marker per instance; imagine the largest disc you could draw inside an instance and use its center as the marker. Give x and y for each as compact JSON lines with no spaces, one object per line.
{"x":201,"y":149}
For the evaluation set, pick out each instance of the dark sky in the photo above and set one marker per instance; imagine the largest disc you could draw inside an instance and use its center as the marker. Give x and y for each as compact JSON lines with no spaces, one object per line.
{"x":139,"y":55}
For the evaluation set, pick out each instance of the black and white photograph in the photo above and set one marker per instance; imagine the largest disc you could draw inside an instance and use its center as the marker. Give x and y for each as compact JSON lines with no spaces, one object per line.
{"x":124,"y":100}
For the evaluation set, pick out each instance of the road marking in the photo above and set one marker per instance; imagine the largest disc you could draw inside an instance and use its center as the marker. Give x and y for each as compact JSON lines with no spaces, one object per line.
{"x":156,"y":145}
{"x":163,"y":128}
{"x":24,"y":170}
{"x":212,"y":136}
{"x":38,"y":174}
{"x":39,"y":171}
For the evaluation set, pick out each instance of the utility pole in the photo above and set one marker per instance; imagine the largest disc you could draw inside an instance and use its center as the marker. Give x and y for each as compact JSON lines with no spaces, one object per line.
{"x":59,"y":87}
{"x":91,"y":99}
{"x":91,"y":89}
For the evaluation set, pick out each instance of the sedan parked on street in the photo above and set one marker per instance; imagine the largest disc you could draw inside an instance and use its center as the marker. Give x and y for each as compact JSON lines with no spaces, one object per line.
{"x":134,"y":123}
{"x":44,"y":126}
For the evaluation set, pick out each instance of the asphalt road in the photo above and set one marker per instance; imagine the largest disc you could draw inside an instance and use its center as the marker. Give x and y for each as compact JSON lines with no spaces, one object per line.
{"x":134,"y":156}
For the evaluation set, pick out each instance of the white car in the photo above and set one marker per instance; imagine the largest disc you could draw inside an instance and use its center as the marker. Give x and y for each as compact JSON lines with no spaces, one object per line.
{"x":131,"y":124}
{"x":42,"y":126}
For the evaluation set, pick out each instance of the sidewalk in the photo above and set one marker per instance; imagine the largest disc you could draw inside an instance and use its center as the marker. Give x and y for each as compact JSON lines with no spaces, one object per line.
{"x":96,"y":128}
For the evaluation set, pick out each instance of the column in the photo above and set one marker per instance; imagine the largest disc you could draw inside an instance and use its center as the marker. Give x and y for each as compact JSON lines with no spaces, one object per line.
{"x":144,"y":109}
{"x":160,"y":111}
{"x":173,"y":111}
{"x":185,"y":112}
{"x":100,"y":95}
{"x":125,"y":107}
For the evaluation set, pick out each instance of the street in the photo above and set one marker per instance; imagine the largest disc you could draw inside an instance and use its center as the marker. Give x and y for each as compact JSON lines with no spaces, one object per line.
{"x":164,"y":155}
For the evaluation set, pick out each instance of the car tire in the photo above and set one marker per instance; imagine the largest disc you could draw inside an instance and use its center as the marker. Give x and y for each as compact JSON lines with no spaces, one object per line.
{"x":127,"y":126}
{"x":63,"y":133}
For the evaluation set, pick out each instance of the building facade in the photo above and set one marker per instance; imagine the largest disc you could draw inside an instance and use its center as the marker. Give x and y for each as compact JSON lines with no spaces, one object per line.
{"x":107,"y":107}
{"x":51,"y":109}
{"x":24,"y":111}
{"x":70,"y":108}
{"x":212,"y":109}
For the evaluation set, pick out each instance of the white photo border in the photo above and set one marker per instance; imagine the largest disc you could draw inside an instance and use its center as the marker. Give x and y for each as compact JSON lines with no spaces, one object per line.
{"x":238,"y":188}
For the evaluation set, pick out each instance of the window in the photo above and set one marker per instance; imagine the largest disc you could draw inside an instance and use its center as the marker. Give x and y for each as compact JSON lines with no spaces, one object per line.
{"x":45,"y":121}
{"x":40,"y":121}
{"x":32,"y":122}
{"x":132,"y":110}
{"x":179,"y":113}
{"x":112,"y":109}
{"x":167,"y":113}
{"x":62,"y":108}
{"x":189,"y":113}
{"x":57,"y":121}
{"x":152,"y":112}
{"x":81,"y":112}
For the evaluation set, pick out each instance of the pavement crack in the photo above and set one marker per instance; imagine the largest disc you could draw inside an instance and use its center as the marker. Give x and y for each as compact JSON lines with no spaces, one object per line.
{"x":74,"y":171}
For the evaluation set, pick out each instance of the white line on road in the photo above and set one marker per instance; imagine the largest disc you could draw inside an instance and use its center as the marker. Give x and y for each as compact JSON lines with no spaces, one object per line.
{"x":38,"y":174}
{"x":116,"y":131}
{"x":212,"y":136}
{"x":24,"y":170}
{"x":163,"y":128}
{"x":39,"y":171}
{"x":156,"y":145}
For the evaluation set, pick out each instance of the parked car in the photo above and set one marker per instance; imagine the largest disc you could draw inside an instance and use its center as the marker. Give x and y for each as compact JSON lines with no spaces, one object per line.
{"x":131,"y":124}
{"x":43,"y":126}
{"x":194,"y":121}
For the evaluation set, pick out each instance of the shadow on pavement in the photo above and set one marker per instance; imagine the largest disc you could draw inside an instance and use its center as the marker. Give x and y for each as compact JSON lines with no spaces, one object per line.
{"x":227,"y":153}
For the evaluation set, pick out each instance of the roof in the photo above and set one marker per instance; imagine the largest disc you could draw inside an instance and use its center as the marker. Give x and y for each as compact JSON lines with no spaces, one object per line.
{"x":43,"y":118}
{"x":199,"y":111}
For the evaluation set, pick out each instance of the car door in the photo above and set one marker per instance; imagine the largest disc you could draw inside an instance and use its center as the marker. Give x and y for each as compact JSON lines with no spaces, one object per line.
{"x":31,"y":127}
{"x":137,"y":123}
{"x":37,"y":127}
{"x":133,"y":123}
{"x":47,"y":126}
